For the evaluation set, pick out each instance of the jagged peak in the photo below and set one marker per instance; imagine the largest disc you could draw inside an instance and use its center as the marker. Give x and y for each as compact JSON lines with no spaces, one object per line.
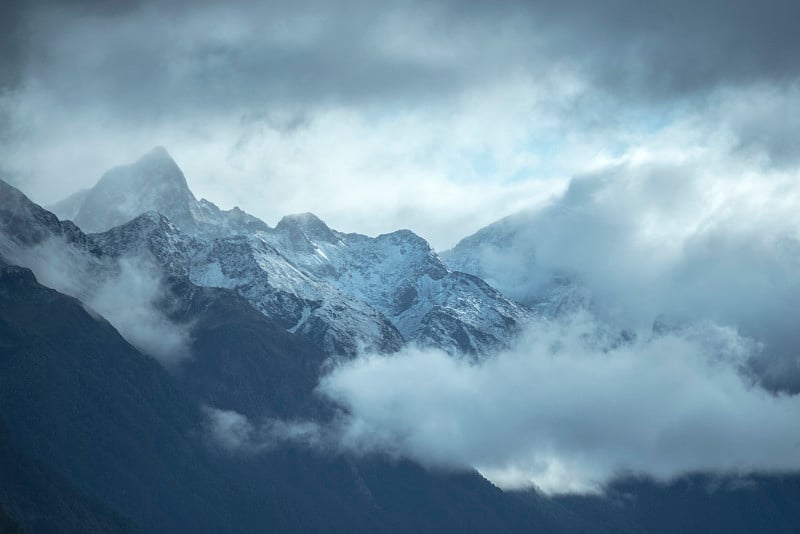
{"x":406,"y":236}
{"x":148,"y":221}
{"x":155,"y":169}
{"x":158,"y":163}
{"x":158,"y":151}
{"x":308,"y":223}
{"x":153,"y":182}
{"x":151,"y":216}
{"x":304,"y":219}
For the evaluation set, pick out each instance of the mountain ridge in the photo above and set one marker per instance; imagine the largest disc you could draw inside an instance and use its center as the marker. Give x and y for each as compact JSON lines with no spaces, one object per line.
{"x":347,"y":291}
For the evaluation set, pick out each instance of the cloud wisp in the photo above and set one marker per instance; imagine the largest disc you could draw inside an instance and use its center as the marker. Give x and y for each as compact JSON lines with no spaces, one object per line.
{"x":128,"y":294}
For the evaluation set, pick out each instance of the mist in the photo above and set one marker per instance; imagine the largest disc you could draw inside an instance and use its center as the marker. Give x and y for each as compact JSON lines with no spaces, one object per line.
{"x":129,"y":294}
{"x":668,"y":233}
{"x":237,"y":434}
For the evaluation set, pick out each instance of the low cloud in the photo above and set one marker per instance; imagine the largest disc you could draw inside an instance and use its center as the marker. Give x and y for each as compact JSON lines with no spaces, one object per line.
{"x":234,"y":432}
{"x":129,"y":294}
{"x":561,"y":415}
{"x":557,"y":412}
{"x":130,"y":301}
{"x":691,"y":225}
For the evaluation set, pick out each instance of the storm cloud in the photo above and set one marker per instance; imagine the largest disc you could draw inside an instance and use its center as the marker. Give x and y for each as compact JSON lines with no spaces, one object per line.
{"x":298,"y":106}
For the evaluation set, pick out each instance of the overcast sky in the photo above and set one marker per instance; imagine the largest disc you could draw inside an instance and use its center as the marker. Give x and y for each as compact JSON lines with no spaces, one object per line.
{"x":436,"y":116}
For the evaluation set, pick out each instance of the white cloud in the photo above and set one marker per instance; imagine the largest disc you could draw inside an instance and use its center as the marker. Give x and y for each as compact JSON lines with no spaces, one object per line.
{"x":558,"y":414}
{"x":130,"y":301}
{"x":129,"y":294}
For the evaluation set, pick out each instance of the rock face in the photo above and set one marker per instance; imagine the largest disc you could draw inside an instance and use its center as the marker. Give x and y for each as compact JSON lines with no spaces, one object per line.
{"x":400,"y":275}
{"x":345,"y":292}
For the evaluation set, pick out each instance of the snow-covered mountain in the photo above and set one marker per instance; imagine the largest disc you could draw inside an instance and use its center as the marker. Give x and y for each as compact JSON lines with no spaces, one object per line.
{"x":153,"y":183}
{"x":504,"y":254}
{"x":400,"y":275}
{"x":68,"y":208}
{"x":247,"y":264}
{"x":345,"y":292}
{"x":62,"y":253}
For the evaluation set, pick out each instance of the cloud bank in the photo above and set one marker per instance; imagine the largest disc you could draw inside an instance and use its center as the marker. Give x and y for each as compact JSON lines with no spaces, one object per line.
{"x":691,"y":226}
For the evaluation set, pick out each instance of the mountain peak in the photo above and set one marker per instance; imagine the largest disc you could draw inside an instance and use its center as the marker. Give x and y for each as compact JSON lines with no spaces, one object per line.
{"x":154,"y":182}
{"x":158,"y":151}
{"x":307,"y":223}
{"x":158,"y":166}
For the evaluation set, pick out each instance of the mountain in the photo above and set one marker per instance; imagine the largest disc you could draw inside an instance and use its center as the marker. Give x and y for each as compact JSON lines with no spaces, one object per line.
{"x":123,"y":443}
{"x":401,"y":275}
{"x":78,"y":398}
{"x":500,"y":254}
{"x":97,"y":436}
{"x":345,"y":292}
{"x":246,"y":264}
{"x":154,"y":182}
{"x":41,"y":501}
{"x":504,"y":254}
{"x":67,"y":209}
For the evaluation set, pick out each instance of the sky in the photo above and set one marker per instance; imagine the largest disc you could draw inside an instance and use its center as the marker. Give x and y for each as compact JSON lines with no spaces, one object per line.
{"x":437,"y":116}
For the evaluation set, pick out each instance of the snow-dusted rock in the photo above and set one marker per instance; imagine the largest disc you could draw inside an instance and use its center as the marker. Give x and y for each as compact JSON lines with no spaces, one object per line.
{"x":400,"y":275}
{"x":347,"y":292}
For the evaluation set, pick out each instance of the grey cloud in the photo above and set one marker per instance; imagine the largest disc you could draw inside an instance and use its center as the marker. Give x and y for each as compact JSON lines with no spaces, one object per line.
{"x":155,"y":58}
{"x":767,"y":126}
{"x":237,"y":79}
{"x":681,"y":47}
{"x":154,"y":61}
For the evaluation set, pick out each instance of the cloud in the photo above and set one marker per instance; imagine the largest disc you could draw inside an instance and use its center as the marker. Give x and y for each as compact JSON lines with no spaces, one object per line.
{"x":131,"y":300}
{"x":688,"y":224}
{"x":558,"y":414}
{"x":129,"y":294}
{"x":438,"y":116}
{"x":235,"y":433}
